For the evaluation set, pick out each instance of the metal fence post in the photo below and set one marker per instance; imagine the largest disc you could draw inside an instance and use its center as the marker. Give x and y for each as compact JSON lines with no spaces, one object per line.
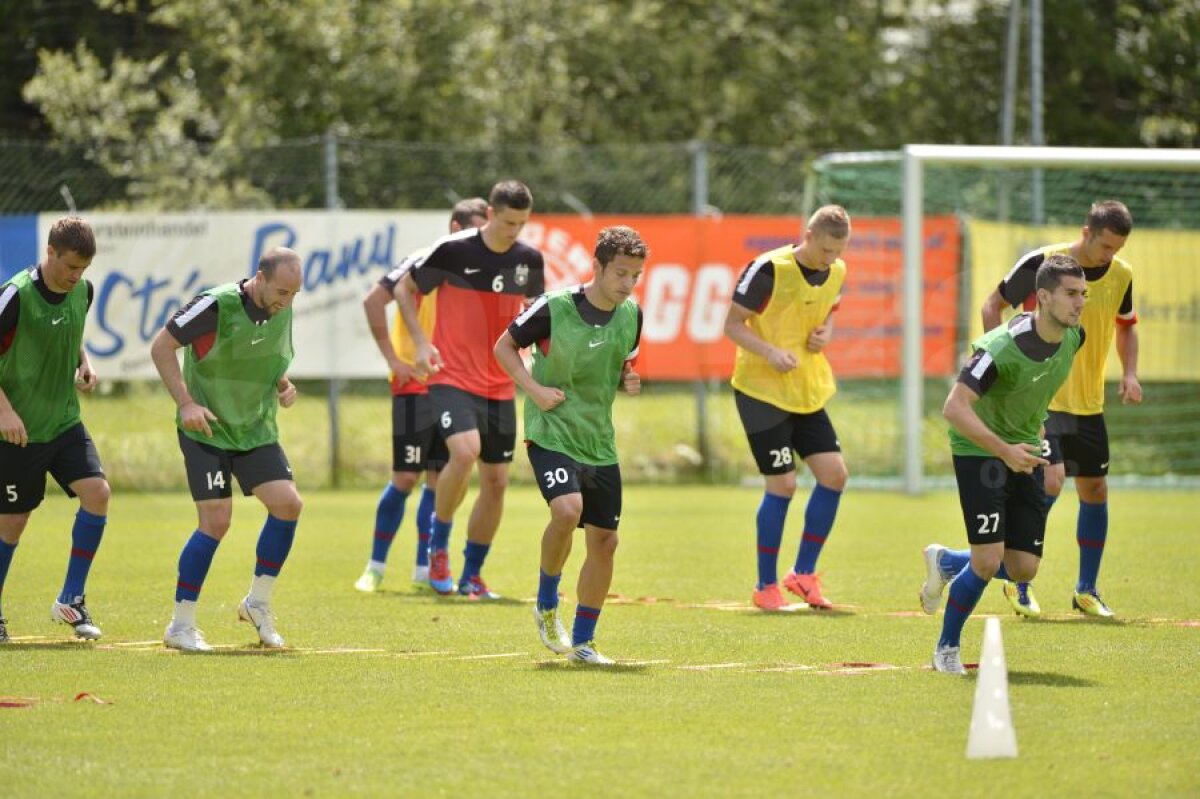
{"x":700,"y":208}
{"x":332,"y":203}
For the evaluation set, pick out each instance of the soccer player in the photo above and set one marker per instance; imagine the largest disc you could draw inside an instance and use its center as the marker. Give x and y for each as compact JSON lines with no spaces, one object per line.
{"x":781,"y":320}
{"x":238,"y":345}
{"x":1075,"y":428}
{"x":416,"y":444}
{"x":584,"y":341}
{"x":482,"y":276}
{"x":42,"y":362}
{"x":996,"y":410}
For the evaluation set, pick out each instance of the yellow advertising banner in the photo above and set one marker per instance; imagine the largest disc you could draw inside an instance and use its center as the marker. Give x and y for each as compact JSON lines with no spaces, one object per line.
{"x":1166,"y":288}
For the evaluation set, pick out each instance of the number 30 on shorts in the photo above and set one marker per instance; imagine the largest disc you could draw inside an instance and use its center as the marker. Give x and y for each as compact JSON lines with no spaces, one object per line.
{"x":556,"y":477}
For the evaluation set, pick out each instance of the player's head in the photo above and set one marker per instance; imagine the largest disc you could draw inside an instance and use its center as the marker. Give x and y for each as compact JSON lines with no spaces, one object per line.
{"x":509,"y":207}
{"x":279,"y":279}
{"x":1061,"y":289}
{"x":618,"y":260}
{"x":1107,"y":226}
{"x":467,"y":213}
{"x":825,"y":236}
{"x":70,"y":249}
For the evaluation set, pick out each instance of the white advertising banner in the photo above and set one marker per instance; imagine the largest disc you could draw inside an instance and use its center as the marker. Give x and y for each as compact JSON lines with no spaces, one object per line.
{"x":148,"y":265}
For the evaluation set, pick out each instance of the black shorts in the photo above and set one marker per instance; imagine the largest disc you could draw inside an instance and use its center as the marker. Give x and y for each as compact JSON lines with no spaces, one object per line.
{"x":69,"y":457}
{"x":558,"y":474}
{"x":1079,"y":443}
{"x":210,"y":469}
{"x":773,"y":433}
{"x":1000,"y":505}
{"x":458,"y":411}
{"x":416,"y":443}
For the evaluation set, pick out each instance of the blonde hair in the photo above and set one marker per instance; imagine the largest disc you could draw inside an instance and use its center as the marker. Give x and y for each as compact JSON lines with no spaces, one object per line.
{"x":830,"y":220}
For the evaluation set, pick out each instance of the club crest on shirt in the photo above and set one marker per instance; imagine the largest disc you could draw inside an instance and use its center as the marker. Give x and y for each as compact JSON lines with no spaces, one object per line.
{"x":521,"y":274}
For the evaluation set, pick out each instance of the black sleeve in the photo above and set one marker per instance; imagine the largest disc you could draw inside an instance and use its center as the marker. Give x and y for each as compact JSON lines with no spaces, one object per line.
{"x":10,"y":310}
{"x":536,"y":286}
{"x":1082,"y":337}
{"x":396,"y":274}
{"x":533,"y":325}
{"x":980,"y":372}
{"x":755,"y":285}
{"x":91,"y":293}
{"x":1021,"y":280}
{"x":1127,"y":301}
{"x":431,"y":271}
{"x":637,"y":341}
{"x":198,"y":317}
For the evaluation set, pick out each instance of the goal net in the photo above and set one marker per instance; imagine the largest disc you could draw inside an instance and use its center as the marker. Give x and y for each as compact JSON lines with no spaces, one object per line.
{"x":1006,"y":201}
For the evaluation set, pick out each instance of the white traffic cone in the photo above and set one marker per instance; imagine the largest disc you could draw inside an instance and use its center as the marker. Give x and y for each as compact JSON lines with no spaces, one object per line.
{"x":992,"y":733}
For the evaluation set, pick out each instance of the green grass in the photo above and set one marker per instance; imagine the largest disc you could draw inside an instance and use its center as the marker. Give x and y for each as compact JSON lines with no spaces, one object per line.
{"x":1100,"y":709}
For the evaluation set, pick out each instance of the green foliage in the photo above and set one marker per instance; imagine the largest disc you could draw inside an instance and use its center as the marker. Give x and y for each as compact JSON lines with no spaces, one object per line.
{"x":401,"y":693}
{"x":176,"y":96}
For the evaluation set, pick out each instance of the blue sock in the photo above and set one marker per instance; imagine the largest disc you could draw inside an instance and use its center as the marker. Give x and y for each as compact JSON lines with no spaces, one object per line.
{"x":473,"y":557}
{"x":964,"y":595}
{"x":6,"y":556}
{"x":772,"y":512}
{"x":194,"y":560}
{"x":818,"y":521}
{"x":953,"y":561}
{"x":585,"y":624}
{"x":547,"y":590}
{"x":85,"y":540}
{"x":388,"y":515}
{"x":424,"y":525}
{"x":439,"y":537}
{"x":1091,"y":531}
{"x":274,"y":544}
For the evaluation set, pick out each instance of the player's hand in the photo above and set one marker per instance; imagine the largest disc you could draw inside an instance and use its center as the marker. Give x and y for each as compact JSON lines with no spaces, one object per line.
{"x":1130,"y":391}
{"x":630,"y":380}
{"x":287,"y":392}
{"x":12,"y":428}
{"x":194,"y":416}
{"x":782,"y":360}
{"x":548,"y":398}
{"x":1023,"y":458}
{"x":85,"y":378}
{"x":428,"y":361}
{"x":819,"y":337}
{"x":402,"y":371}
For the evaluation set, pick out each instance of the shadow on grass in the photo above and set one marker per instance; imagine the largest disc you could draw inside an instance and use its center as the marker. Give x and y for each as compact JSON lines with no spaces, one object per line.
{"x":82,"y":646}
{"x":563,"y":667}
{"x":250,"y":650}
{"x":803,"y":613}
{"x":433,"y":598}
{"x":1049,"y":679}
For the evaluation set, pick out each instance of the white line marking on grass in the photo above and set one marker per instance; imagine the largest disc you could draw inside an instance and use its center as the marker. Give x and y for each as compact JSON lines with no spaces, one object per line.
{"x":419,"y":654}
{"x":713,"y":666}
{"x":490,"y":657}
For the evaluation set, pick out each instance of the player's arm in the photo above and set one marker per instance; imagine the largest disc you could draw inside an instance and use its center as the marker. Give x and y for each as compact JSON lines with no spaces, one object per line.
{"x":1127,"y":350}
{"x":375,"y":308}
{"x":12,"y":427}
{"x":508,"y":355}
{"x":959,"y":411}
{"x":192,"y":415}
{"x":992,"y":311}
{"x":822,"y":334}
{"x":631,"y":381}
{"x":85,"y":375}
{"x":427,"y":359}
{"x":286,"y":391}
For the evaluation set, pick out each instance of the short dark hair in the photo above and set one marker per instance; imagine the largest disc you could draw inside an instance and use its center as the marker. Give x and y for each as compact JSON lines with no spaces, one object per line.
{"x":72,"y":234}
{"x":1054,"y":269}
{"x":511,"y":194}
{"x":619,"y":240}
{"x":1109,"y":215}
{"x":272,"y":258}
{"x":465,"y":210}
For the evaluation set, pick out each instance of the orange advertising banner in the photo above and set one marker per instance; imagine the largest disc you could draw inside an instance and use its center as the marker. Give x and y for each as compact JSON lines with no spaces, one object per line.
{"x":695,"y":262}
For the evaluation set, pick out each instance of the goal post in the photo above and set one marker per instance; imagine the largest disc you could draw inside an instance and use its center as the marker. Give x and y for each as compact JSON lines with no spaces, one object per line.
{"x":915,"y":158}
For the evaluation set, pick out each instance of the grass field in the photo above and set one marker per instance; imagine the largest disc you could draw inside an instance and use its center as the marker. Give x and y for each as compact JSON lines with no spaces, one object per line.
{"x":402,"y":693}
